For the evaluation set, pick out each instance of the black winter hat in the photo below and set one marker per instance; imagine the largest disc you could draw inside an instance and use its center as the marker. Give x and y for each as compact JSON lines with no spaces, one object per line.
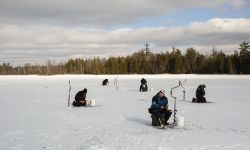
{"x":85,"y":90}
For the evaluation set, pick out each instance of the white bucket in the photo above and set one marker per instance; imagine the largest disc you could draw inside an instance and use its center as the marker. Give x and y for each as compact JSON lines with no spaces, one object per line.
{"x":88,"y":102}
{"x":92,"y":102}
{"x":180,"y":121}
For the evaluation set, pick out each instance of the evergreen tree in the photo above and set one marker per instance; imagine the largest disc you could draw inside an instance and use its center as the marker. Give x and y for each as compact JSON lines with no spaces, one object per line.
{"x":245,"y":57}
{"x":228,"y":65}
{"x":191,"y":56}
{"x":145,"y":62}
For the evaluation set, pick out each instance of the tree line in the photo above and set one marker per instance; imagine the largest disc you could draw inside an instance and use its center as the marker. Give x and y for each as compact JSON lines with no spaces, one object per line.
{"x":146,"y":62}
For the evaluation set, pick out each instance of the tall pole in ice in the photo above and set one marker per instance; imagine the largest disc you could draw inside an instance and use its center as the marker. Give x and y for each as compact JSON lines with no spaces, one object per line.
{"x":116,"y":83}
{"x":69,"y":93}
{"x":183,"y":88}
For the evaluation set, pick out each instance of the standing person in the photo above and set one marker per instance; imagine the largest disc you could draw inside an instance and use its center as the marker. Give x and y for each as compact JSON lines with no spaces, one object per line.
{"x":80,"y":98}
{"x":159,"y":109}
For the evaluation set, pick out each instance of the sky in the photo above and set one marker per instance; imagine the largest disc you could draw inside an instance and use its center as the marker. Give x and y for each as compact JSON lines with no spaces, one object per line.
{"x":37,"y":31}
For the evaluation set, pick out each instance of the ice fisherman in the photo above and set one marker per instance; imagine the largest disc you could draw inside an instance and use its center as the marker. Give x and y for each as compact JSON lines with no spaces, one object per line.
{"x":80,"y":98}
{"x":105,"y":82}
{"x":200,"y":93}
{"x":160,"y":110}
{"x":144,"y":86}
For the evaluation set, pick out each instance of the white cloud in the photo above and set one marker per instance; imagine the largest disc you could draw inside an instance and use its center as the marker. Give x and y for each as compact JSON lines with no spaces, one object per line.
{"x":21,"y":43}
{"x":97,"y":12}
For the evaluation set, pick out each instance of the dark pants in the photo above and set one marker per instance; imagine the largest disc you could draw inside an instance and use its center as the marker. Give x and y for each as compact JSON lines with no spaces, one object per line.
{"x":78,"y":104}
{"x":160,"y":117}
{"x":199,"y":99}
{"x":144,"y":87}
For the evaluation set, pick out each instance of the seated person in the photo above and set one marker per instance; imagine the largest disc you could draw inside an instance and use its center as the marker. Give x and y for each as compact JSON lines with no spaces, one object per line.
{"x":144,"y":86}
{"x":105,"y":82}
{"x":80,"y":98}
{"x":200,"y":93}
{"x":159,"y":109}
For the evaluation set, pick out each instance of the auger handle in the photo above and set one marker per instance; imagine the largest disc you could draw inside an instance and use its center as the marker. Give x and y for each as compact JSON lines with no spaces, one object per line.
{"x":171,"y":93}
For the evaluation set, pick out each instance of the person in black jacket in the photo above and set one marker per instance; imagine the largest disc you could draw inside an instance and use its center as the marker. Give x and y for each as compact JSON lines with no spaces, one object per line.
{"x":200,"y":93}
{"x":105,"y":82}
{"x":80,"y":98}
{"x":144,"y":86}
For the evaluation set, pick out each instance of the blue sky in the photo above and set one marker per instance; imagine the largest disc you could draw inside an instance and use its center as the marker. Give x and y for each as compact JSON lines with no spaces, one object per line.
{"x":39,"y":30}
{"x":184,"y":17}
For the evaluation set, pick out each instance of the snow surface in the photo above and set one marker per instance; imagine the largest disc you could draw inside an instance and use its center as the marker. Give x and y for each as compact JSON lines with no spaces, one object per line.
{"x":34,"y":113}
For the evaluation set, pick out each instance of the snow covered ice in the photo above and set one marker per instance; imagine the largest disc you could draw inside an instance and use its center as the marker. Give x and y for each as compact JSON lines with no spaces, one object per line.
{"x":34,"y":113}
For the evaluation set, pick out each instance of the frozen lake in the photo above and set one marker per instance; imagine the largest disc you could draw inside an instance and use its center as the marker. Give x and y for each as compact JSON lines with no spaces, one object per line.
{"x":34,"y":113}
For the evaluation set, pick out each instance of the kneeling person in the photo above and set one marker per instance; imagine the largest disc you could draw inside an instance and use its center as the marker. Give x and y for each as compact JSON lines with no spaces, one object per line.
{"x":144,"y":86}
{"x":80,"y":98}
{"x":200,"y":93}
{"x":105,"y":82}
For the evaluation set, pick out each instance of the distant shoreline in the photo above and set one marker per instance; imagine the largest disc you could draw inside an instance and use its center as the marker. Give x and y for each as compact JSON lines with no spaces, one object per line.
{"x":129,"y":76}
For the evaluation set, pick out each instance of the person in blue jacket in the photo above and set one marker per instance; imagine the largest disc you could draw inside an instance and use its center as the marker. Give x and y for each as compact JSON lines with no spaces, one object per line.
{"x":159,"y":108}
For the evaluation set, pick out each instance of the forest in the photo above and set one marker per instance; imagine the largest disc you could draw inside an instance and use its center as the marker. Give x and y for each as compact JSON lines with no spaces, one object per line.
{"x":145,"y":62}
